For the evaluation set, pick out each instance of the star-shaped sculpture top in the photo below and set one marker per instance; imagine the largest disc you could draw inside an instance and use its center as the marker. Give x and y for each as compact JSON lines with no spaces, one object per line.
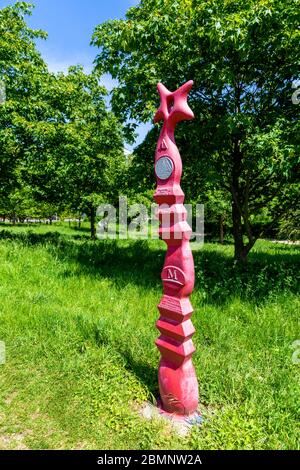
{"x":173,"y":105}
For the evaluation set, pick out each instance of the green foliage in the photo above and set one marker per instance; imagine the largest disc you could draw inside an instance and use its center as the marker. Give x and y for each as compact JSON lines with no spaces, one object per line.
{"x":77,"y":152}
{"x":243,"y":57}
{"x":22,"y":71}
{"x":58,"y":140}
{"x":289,"y":227}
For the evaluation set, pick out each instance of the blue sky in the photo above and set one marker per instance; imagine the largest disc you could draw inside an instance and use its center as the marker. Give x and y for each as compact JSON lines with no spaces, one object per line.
{"x":70,"y":25}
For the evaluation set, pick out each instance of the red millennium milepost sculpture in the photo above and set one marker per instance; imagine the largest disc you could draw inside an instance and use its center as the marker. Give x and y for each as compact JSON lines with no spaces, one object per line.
{"x":177,"y":378}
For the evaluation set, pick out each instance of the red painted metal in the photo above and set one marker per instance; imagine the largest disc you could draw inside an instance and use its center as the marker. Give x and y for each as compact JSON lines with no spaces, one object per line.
{"x":177,"y":379}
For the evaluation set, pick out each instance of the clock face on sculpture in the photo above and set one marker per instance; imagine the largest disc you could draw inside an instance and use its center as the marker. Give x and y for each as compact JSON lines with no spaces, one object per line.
{"x":164,"y":168}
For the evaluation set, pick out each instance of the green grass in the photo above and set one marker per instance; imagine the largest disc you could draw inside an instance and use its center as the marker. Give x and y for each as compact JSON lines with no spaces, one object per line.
{"x":78,"y":320}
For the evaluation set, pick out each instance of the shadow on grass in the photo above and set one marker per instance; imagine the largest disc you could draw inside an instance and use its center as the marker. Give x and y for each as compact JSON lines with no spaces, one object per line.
{"x":145,"y":372}
{"x":140,"y":263}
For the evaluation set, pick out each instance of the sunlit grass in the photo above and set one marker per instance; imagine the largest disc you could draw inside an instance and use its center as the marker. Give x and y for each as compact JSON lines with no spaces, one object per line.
{"x":78,"y":321}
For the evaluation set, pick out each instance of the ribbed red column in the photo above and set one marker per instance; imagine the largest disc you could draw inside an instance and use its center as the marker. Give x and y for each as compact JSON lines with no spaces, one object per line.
{"x":177,"y":379}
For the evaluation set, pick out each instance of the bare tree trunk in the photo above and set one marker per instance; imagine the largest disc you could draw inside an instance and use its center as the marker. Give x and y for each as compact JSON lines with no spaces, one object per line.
{"x":240,"y":254}
{"x":221,"y":230}
{"x":239,"y":249}
{"x":93,"y":222}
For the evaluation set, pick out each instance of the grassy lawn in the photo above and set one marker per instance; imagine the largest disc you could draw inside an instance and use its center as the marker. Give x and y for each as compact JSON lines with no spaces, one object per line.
{"x":78,"y":317}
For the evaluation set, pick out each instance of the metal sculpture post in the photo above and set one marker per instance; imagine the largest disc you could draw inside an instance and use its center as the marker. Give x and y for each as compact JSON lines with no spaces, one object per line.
{"x":177,"y":379}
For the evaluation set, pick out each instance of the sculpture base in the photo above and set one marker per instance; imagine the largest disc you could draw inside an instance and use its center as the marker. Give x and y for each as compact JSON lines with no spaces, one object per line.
{"x":181,"y":424}
{"x":178,"y":387}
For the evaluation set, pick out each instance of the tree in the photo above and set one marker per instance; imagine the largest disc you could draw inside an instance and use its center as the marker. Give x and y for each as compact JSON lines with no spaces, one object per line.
{"x":22,"y":72}
{"x":243,"y":57}
{"x":58,"y":140}
{"x":76,"y":153}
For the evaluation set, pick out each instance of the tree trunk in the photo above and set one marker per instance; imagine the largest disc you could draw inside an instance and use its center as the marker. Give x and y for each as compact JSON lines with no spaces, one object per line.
{"x":240,"y":251}
{"x":240,"y":255}
{"x":222,"y":229}
{"x":93,"y":222}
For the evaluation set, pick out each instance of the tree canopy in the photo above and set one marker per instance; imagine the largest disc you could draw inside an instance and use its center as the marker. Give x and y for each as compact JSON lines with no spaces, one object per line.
{"x":243,"y":57}
{"x":22,"y":72}
{"x":60,"y":145}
